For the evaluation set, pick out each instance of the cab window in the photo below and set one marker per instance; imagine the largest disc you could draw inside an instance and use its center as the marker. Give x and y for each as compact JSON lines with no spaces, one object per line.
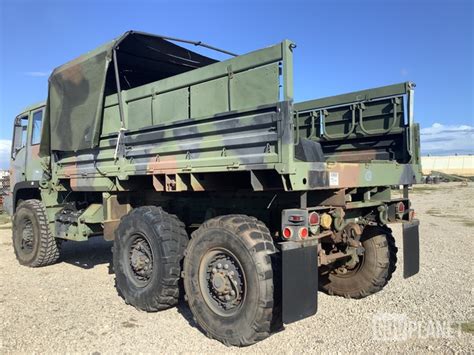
{"x":36,"y":129}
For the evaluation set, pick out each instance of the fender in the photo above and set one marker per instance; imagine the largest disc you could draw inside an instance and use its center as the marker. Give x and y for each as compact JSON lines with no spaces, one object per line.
{"x":22,"y":186}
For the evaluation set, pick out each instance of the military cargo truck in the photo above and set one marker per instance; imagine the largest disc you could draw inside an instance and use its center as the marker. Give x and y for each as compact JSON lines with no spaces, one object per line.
{"x":214,"y":184}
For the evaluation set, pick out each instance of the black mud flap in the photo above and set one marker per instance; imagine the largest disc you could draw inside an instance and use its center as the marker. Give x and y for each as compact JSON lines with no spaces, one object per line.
{"x":299,"y":282}
{"x":411,"y":248}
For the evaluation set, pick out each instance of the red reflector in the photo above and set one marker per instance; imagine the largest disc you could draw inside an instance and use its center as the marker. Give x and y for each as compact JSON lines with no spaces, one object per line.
{"x":400,"y":207}
{"x":313,"y":218}
{"x":295,"y":218}
{"x":303,"y":232}
{"x":287,"y":233}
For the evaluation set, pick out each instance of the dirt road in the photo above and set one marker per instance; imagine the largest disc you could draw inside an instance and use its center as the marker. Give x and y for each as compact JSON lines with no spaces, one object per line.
{"x":73,"y":306}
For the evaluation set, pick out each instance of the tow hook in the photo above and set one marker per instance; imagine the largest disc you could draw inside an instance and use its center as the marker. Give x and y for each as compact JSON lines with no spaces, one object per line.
{"x":383,"y":214}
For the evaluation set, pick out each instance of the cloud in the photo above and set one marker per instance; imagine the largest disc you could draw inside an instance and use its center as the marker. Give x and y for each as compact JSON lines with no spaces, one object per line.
{"x":37,"y":74}
{"x":440,"y":139}
{"x":5,"y":147}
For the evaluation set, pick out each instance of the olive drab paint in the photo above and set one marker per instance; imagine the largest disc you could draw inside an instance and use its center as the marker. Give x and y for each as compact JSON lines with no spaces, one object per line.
{"x":141,"y":121}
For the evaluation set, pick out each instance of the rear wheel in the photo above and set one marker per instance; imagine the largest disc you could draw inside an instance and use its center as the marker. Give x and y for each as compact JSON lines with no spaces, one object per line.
{"x":229,"y":281}
{"x":373,"y":271}
{"x":33,"y":242}
{"x":147,"y":255}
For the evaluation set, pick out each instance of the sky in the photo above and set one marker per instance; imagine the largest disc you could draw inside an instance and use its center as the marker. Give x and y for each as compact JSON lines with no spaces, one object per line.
{"x":342,"y":46}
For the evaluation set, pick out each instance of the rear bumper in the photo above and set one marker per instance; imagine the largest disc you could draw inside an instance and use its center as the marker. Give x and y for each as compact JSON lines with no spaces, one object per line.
{"x":299,"y":272}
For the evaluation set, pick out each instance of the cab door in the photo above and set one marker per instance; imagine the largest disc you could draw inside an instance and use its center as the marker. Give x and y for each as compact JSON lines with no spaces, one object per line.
{"x":33,"y":169}
{"x":19,"y":150}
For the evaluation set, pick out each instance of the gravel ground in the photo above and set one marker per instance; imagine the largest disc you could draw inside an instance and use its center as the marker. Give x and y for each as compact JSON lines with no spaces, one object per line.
{"x":73,"y":306}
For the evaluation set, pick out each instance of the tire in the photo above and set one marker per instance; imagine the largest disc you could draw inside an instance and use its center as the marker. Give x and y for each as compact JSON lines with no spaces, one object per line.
{"x":221,"y":246}
{"x":148,"y":236}
{"x":33,"y":243}
{"x":374,"y":270}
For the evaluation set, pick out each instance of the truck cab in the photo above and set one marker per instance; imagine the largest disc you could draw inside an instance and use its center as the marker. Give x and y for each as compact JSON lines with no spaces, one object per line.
{"x":25,"y":166}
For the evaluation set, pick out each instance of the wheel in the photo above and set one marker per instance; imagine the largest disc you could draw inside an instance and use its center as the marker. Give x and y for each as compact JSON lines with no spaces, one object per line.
{"x":372,"y":273}
{"x":229,"y":281}
{"x":33,"y":242}
{"x":147,"y":256}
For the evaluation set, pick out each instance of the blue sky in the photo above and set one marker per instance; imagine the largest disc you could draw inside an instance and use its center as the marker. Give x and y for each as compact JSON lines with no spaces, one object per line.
{"x":342,"y":46}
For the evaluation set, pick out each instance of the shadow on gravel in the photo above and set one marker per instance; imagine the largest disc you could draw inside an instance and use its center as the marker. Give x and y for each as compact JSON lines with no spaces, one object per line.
{"x":86,"y":255}
{"x":185,"y":311}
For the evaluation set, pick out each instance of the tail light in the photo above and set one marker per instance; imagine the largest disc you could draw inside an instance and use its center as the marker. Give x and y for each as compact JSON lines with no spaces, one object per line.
{"x":287,"y":233}
{"x":303,"y":233}
{"x":400,"y":207}
{"x":313,"y":219}
{"x":295,"y":218}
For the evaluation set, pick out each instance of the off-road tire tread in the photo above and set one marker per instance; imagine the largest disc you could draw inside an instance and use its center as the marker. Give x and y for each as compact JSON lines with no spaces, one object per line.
{"x":172,"y":242}
{"x":260,"y":243}
{"x":49,"y":246}
{"x":387,"y":264}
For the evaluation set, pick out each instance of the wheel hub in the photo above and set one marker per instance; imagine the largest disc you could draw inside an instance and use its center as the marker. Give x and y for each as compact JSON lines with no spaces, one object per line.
{"x":27,"y":236}
{"x":141,"y":260}
{"x":222,"y":281}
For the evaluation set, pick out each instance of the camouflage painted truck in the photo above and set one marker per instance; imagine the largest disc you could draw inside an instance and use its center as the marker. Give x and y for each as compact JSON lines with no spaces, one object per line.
{"x":213,"y":184}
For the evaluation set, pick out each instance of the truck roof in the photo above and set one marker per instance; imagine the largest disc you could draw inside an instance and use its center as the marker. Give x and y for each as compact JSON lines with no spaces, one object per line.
{"x":33,"y":106}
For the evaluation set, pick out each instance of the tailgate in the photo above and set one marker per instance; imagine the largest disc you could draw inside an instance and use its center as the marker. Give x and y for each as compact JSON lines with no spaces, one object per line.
{"x":374,"y":124}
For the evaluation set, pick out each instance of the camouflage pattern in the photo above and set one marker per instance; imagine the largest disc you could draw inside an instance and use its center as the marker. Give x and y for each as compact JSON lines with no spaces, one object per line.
{"x":227,"y":125}
{"x":77,"y":89}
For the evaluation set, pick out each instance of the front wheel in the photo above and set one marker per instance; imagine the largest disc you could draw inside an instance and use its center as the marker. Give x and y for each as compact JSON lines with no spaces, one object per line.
{"x":373,"y":271}
{"x":229,"y":281}
{"x":33,"y":242}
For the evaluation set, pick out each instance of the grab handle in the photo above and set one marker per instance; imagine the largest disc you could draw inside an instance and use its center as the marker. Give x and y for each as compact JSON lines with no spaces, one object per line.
{"x":323,"y":114}
{"x":396,"y":102}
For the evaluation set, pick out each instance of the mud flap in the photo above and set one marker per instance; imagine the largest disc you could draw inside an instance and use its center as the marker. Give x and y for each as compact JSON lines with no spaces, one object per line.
{"x":299,"y":281}
{"x":411,"y":248}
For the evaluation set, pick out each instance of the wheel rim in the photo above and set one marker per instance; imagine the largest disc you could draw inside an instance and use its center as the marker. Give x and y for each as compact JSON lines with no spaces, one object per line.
{"x":350,"y":272}
{"x":222,"y":282}
{"x":140,"y":260}
{"x":27,"y":236}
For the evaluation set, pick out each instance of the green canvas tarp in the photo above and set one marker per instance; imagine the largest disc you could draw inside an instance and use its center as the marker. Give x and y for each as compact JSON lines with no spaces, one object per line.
{"x":77,"y":89}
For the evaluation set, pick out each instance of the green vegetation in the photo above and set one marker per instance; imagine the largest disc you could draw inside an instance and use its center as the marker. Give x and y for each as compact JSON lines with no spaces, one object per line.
{"x":436,"y":212}
{"x":467,"y":327}
{"x":424,"y":189}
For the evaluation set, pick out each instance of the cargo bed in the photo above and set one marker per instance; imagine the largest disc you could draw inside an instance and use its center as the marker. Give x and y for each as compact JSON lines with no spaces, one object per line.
{"x":238,"y":116}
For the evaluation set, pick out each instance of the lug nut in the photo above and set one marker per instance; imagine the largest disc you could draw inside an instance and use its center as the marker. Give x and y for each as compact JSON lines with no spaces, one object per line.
{"x":214,"y":270}
{"x":232,"y":293}
{"x":231,"y":273}
{"x":227,"y":297}
{"x":226,"y":266}
{"x":219,"y":265}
